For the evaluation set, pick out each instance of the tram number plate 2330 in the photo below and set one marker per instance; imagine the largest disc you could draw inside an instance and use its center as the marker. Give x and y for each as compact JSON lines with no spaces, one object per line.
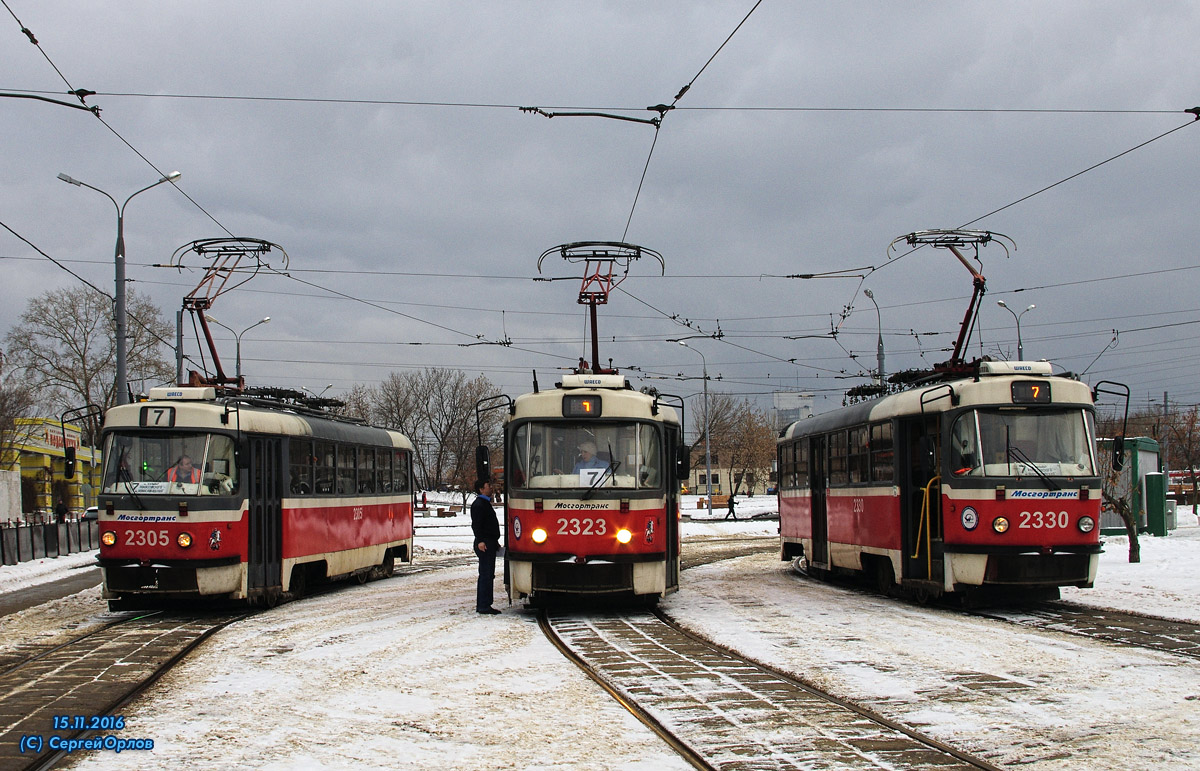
{"x":1044,"y":520}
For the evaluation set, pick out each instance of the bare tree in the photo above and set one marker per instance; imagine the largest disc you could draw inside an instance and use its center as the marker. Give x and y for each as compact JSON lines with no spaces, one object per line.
{"x":740,"y":436}
{"x":1115,"y":494}
{"x":357,"y":402}
{"x":16,"y":401}
{"x":435,"y":408}
{"x":1184,"y":430}
{"x":65,"y":341}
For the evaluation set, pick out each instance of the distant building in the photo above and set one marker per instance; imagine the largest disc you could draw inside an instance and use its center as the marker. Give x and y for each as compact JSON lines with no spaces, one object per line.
{"x":790,"y":406}
{"x":36,"y":451}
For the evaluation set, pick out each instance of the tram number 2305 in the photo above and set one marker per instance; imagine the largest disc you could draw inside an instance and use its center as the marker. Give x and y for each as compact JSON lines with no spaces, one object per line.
{"x":1044,"y":520}
{"x":587,"y":526}
{"x":147,"y":538}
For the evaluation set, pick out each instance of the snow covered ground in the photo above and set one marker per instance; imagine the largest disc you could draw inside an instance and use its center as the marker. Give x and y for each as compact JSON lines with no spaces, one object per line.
{"x":403,"y":674}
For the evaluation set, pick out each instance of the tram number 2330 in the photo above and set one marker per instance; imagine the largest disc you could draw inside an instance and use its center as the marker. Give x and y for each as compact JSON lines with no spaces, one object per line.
{"x":587,"y":526}
{"x":1043,"y":520}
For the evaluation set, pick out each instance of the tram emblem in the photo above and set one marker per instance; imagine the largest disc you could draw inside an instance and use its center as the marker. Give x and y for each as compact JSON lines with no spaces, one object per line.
{"x":214,"y":540}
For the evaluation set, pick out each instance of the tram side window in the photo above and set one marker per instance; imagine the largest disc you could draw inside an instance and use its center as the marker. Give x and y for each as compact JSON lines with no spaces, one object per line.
{"x":400,"y":475}
{"x":787,"y":466}
{"x":366,"y":470}
{"x":346,"y":472}
{"x":859,"y":456}
{"x":300,"y":463}
{"x":384,"y":472}
{"x":326,"y":468}
{"x":802,"y":463}
{"x":883,"y":456}
{"x":838,"y":458}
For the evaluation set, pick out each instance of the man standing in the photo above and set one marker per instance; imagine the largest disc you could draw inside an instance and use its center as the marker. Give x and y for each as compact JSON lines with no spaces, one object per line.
{"x":486,"y":530}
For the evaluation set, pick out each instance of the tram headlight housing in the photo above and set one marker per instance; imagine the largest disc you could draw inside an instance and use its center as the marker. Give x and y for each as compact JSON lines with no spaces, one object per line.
{"x":108,"y":538}
{"x":1000,"y":524}
{"x":184,"y":540}
{"x":1086,"y":524}
{"x":538,"y":535}
{"x":624,"y":536}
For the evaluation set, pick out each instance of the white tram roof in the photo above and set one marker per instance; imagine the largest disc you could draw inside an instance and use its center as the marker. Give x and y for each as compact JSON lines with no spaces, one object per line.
{"x":992,"y":387}
{"x":199,"y":409}
{"x":623,"y":403}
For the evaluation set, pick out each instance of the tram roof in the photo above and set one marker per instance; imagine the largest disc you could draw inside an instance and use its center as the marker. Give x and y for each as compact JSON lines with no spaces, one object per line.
{"x":992,"y":387}
{"x":617,"y":403}
{"x":200,"y":409}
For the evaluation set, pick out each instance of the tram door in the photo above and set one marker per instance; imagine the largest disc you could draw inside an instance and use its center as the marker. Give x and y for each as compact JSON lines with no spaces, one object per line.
{"x":265,"y":536}
{"x":819,"y":483}
{"x":920,"y":531}
{"x":672,"y":509}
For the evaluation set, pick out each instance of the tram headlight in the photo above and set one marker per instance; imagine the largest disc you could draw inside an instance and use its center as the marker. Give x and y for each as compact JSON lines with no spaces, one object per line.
{"x":1086,"y":524}
{"x":1000,"y":524}
{"x":109,"y":538}
{"x":624,"y":536}
{"x":538,"y":535}
{"x":184,"y":540}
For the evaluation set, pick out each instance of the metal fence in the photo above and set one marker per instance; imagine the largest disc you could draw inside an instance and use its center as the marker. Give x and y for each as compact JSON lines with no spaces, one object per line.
{"x":33,"y":542}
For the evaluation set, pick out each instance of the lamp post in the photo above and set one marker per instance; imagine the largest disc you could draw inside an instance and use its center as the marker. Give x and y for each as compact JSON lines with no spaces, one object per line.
{"x":122,"y":388}
{"x":1017,"y":316}
{"x":237,"y":336}
{"x":879,"y":342}
{"x":707,"y":454}
{"x":318,"y":396}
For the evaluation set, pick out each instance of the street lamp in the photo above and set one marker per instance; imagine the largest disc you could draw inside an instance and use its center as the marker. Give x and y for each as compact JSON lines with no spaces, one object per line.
{"x":122,"y":395}
{"x":707,"y":454}
{"x":318,"y":396}
{"x":1017,"y":316}
{"x":237,"y":336}
{"x":879,"y":324}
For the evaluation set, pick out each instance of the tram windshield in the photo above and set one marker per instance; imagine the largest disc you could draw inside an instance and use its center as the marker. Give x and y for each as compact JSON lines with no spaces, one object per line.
{"x":169,"y":464}
{"x":1009,"y":443}
{"x":591,"y":455}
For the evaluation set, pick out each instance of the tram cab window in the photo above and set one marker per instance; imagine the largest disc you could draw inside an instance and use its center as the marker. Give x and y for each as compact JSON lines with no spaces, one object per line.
{"x":1010,"y":443}
{"x":565,"y":455}
{"x":169,"y":464}
{"x":400,"y":475}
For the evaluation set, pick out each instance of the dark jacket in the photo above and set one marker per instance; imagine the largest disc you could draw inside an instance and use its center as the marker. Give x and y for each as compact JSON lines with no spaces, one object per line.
{"x":484,"y":524}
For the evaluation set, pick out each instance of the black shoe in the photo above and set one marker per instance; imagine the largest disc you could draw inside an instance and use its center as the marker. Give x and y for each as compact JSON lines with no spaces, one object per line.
{"x":487,"y":611}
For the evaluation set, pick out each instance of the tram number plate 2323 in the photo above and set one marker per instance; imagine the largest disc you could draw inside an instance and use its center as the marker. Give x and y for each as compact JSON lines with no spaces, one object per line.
{"x":585,"y":526}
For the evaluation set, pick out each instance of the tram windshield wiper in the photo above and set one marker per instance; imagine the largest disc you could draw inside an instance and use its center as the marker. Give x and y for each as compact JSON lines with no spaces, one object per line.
{"x":1019,"y":454}
{"x":610,"y":472}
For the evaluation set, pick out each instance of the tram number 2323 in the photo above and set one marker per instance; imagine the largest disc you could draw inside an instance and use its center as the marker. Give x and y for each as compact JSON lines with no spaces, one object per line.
{"x":588,"y":526}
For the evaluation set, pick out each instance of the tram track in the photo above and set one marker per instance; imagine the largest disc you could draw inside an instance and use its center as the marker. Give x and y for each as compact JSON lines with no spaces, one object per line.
{"x":77,"y":688}
{"x":1164,"y":635}
{"x":720,"y":710}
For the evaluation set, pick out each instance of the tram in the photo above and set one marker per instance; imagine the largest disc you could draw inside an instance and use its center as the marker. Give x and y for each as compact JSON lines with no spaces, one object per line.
{"x":591,"y":473}
{"x":245,"y":498}
{"x":983,"y":484}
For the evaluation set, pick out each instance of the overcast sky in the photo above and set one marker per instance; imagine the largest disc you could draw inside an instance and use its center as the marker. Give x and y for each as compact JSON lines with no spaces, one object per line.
{"x":381,"y":146}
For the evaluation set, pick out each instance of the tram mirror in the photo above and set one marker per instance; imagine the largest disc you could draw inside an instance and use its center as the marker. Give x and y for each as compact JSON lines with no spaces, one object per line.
{"x":68,"y":463}
{"x":483,"y":462}
{"x":1118,"y":458}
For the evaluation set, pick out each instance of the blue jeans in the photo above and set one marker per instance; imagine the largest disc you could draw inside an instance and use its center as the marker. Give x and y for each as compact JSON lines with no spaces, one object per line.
{"x":487,"y":577}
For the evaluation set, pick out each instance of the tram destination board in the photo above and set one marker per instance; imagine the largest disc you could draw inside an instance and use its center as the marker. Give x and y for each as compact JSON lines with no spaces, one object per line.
{"x":576,"y":406}
{"x":1031,"y":392}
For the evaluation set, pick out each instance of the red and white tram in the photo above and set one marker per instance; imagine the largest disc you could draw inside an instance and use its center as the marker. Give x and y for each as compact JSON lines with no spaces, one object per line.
{"x":245,"y":499}
{"x":592,"y":472}
{"x":987,"y":483}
